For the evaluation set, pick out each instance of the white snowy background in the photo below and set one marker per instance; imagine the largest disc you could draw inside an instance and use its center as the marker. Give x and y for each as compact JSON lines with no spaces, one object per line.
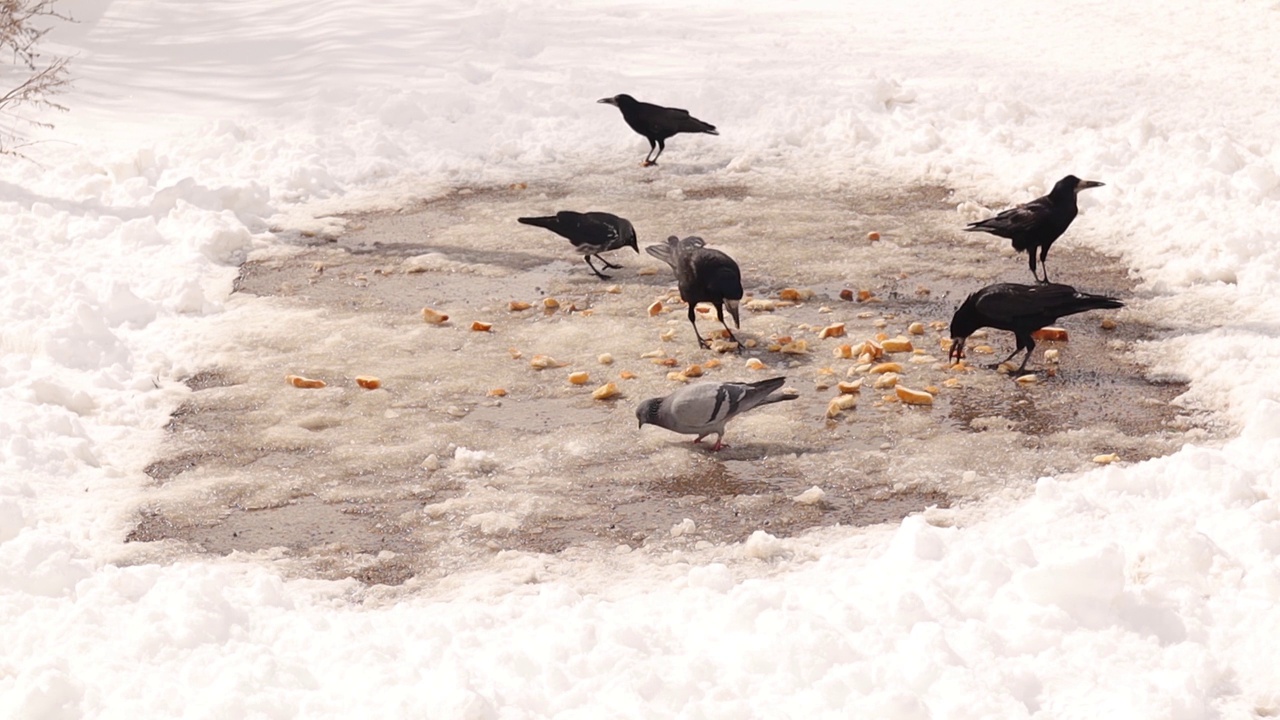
{"x":1149,"y":590}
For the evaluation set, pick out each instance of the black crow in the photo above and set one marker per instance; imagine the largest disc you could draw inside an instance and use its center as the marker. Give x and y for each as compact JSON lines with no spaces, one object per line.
{"x":1038,"y":223}
{"x":657,"y":123}
{"x":704,"y":275}
{"x":703,"y":409}
{"x":1020,"y":309}
{"x":591,"y":233}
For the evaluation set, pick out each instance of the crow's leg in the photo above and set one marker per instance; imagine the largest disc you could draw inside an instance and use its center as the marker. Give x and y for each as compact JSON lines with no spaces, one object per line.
{"x":599,"y":274}
{"x":607,"y":264}
{"x":720,"y":316}
{"x":647,"y":160}
{"x":693,"y":314}
{"x":1015,"y":351}
{"x":662,"y":145}
{"x":1044,"y":265}
{"x":1031,"y":345}
{"x":732,"y":337}
{"x":1031,"y":260}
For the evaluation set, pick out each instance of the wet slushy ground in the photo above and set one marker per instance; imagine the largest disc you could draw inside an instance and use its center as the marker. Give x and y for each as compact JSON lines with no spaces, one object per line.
{"x":432,"y":473}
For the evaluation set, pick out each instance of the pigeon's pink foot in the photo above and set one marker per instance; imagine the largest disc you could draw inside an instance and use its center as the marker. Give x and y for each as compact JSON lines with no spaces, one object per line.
{"x":718,"y":446}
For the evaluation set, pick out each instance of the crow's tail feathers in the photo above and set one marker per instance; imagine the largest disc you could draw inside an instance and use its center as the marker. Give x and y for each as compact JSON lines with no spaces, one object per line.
{"x":1084,"y":302}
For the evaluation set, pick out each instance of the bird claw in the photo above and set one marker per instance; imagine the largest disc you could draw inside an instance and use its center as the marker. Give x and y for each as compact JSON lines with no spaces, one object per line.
{"x":648,"y":163}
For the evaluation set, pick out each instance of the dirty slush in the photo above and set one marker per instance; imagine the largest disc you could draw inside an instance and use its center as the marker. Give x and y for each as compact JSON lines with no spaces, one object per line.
{"x":466,"y":450}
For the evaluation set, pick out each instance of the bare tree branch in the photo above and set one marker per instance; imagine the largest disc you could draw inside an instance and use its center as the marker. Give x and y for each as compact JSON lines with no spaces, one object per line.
{"x":23,"y":24}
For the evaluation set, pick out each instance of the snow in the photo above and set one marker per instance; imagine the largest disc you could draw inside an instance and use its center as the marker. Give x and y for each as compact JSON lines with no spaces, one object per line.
{"x":198,"y":131}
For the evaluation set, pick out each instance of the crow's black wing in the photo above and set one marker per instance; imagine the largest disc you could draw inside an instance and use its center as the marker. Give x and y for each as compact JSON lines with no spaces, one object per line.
{"x":594,"y":228}
{"x":1016,"y":220}
{"x":1004,"y":303}
{"x":1011,"y":304}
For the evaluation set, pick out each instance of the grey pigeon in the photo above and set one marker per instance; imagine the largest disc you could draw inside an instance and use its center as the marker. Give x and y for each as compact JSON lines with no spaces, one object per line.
{"x":704,"y":275}
{"x":1036,"y":224}
{"x":703,"y":408}
{"x":657,"y":123}
{"x":591,"y":233}
{"x":1022,"y":310}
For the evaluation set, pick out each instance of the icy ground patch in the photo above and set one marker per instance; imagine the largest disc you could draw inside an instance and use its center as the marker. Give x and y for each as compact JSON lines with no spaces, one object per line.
{"x":466,"y":450}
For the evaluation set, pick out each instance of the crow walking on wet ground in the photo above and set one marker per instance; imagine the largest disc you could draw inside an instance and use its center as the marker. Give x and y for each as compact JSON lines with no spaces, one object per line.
{"x":703,"y":409}
{"x":1020,"y":309}
{"x":591,"y":233}
{"x":1037,"y":224}
{"x":703,"y":275}
{"x":657,"y":123}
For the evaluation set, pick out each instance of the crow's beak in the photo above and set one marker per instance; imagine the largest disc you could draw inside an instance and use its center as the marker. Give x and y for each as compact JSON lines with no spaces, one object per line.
{"x":1086,"y":184}
{"x":732,"y":307}
{"x":956,"y":352}
{"x":607,"y":101}
{"x":641,"y":423}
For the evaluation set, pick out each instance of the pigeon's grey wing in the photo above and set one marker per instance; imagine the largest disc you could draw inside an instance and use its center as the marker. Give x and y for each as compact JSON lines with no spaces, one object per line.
{"x":698,"y":407}
{"x":756,"y":393}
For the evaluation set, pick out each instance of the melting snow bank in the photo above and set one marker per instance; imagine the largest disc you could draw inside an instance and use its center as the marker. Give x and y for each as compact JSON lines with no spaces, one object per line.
{"x":1140,"y":591}
{"x":1146,"y":591}
{"x":108,"y":271}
